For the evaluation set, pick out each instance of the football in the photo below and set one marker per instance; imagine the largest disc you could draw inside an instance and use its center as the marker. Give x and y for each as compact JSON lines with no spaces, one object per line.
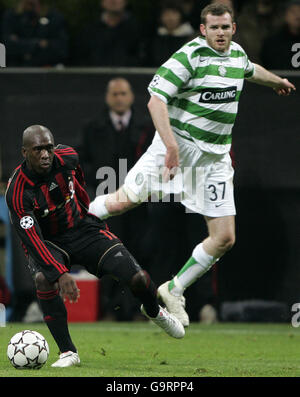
{"x":28,"y":349}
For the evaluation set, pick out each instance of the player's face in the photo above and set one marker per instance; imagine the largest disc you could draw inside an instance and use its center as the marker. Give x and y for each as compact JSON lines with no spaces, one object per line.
{"x":119,"y":96}
{"x":39,"y":153}
{"x":218,"y":31}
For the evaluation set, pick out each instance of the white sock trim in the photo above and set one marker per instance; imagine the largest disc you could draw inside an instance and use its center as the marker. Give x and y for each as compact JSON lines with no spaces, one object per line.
{"x":98,"y":208}
{"x":202,"y":257}
{"x":179,"y":290}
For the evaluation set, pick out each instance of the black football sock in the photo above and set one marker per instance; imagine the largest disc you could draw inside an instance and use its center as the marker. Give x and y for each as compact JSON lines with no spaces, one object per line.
{"x":144,"y":289}
{"x":122,"y":265}
{"x":55,"y":316}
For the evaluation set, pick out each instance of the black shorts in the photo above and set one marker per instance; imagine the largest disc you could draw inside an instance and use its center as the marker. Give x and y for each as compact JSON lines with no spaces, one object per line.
{"x":89,"y":245}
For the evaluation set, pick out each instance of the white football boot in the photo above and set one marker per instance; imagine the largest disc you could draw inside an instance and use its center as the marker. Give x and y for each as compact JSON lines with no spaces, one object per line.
{"x":167,"y":322}
{"x":174,"y":304}
{"x":67,"y":359}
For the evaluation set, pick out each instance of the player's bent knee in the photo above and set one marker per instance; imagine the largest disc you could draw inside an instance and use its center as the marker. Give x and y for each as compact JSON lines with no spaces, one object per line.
{"x":227,"y":242}
{"x":223,"y":242}
{"x":140,"y":281}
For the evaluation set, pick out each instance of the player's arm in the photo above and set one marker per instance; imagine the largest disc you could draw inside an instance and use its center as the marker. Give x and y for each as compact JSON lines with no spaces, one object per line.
{"x":160,"y":117}
{"x":28,"y":230}
{"x":263,"y":77}
{"x":20,"y":205}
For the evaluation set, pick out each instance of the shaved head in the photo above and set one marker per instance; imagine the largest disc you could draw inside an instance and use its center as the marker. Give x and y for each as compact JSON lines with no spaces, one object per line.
{"x":38,"y":148}
{"x":30,"y":134}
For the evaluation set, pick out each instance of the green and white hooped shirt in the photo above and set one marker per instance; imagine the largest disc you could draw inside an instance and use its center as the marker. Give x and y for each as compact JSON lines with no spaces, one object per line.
{"x":201,"y":88}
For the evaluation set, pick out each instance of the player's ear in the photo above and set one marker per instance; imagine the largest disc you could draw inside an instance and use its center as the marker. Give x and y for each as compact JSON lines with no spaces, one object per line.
{"x":23,"y":151}
{"x":202,"y":29}
{"x":233,"y":28}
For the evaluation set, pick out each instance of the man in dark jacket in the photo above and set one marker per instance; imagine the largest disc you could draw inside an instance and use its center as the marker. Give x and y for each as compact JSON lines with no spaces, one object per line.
{"x":116,"y":134}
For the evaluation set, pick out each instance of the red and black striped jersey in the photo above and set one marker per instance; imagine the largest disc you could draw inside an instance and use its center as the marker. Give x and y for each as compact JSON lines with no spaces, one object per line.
{"x":45,"y":206}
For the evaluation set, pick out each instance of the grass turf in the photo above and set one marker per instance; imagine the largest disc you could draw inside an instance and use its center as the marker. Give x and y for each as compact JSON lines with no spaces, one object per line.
{"x":140,"y":349}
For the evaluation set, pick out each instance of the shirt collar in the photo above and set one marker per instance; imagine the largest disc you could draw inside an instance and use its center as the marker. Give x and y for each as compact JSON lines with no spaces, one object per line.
{"x":124,"y":118}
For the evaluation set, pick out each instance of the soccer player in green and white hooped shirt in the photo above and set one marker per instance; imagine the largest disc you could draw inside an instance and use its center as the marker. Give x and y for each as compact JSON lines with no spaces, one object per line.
{"x":193,"y":105}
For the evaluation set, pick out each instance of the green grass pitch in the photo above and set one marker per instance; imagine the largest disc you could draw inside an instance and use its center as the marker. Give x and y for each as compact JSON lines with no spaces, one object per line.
{"x":140,"y":349}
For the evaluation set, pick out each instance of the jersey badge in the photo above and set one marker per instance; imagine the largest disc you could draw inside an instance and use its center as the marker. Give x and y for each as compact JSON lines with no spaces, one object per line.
{"x":139,"y":179}
{"x":26,"y":222}
{"x":222,"y":71}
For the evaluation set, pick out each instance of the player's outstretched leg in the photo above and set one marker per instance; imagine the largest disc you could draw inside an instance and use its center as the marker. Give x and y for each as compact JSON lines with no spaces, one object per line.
{"x":113,"y":204}
{"x":55,"y":316}
{"x":221,"y":238}
{"x":121,"y":264}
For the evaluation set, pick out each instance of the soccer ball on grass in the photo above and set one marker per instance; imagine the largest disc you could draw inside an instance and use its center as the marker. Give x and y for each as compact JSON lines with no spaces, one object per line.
{"x":28,"y":349}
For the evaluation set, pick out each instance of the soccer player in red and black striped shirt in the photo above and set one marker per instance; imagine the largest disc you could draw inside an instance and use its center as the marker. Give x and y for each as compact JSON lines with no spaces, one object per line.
{"x":49,"y":209}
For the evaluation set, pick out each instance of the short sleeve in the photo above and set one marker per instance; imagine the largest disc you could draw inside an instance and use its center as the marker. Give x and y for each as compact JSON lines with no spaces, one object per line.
{"x":171,"y":76}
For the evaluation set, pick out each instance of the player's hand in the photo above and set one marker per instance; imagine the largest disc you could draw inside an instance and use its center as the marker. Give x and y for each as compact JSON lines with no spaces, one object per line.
{"x":68,"y":288}
{"x":171,"y":163}
{"x":285,"y":88}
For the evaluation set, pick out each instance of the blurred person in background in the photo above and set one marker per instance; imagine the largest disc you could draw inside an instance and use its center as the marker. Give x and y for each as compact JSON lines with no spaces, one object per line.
{"x":191,"y":10}
{"x":171,"y":34}
{"x":257,"y":20}
{"x":276,"y":51}
{"x":113,"y":39}
{"x":34,"y":35}
{"x":117,"y":133}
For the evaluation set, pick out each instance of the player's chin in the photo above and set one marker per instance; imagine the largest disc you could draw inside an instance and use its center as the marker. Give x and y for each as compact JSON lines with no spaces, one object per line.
{"x":44,"y":168}
{"x":221,"y":46}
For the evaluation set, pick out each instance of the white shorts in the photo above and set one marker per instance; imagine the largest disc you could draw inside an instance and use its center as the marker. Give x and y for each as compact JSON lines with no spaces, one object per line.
{"x":203,"y":183}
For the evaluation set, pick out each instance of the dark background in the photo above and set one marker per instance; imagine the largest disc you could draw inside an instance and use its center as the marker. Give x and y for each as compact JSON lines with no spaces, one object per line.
{"x":264,"y":264}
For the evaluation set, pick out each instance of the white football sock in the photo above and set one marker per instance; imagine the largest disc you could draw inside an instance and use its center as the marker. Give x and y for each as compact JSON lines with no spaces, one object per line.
{"x":199,"y":263}
{"x":98,"y":208}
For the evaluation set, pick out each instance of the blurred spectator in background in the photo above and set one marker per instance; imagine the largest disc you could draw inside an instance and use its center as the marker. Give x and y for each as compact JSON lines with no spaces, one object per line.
{"x":34,"y":35}
{"x":256,"y":21}
{"x":192,"y":9}
{"x":113,"y":39}
{"x":117,"y":133}
{"x":172,"y":33}
{"x":277,"y":48}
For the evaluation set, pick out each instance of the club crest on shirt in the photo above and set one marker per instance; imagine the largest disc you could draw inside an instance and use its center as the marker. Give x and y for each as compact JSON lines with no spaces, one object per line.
{"x":139,"y":178}
{"x":26,"y":222}
{"x":222,"y":71}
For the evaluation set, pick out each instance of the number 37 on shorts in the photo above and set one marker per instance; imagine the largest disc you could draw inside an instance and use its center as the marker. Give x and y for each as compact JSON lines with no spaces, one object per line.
{"x":219,"y":198}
